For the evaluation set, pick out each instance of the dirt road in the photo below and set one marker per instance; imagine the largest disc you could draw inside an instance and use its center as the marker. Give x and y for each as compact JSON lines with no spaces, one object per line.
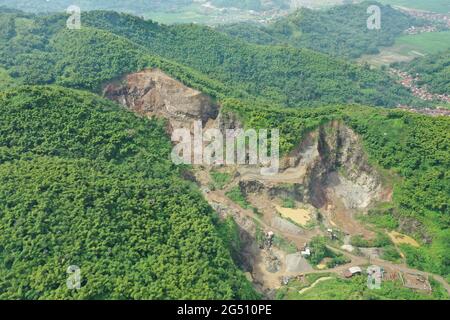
{"x":219,"y":196}
{"x":357,"y":260}
{"x":314,"y":284}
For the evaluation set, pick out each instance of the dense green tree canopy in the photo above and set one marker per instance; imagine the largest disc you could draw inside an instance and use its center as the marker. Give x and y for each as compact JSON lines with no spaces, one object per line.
{"x":84,"y":182}
{"x":41,"y":50}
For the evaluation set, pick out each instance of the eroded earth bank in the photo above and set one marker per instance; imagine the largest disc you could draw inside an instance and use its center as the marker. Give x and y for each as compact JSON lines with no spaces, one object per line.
{"x":323,"y":188}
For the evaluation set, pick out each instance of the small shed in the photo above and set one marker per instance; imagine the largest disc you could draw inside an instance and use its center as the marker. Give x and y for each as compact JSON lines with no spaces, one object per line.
{"x":353,"y":271}
{"x":306,"y":253}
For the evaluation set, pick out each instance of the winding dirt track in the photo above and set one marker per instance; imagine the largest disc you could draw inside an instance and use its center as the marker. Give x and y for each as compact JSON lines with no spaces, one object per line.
{"x":357,"y":260}
{"x":300,"y":240}
{"x":315,"y":283}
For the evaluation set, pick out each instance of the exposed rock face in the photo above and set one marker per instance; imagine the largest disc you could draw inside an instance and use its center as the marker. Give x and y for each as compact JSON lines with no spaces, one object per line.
{"x":153,"y":93}
{"x":293,"y":191}
{"x":286,"y":226}
{"x":341,"y":167}
{"x":329,"y":163}
{"x":251,"y":186}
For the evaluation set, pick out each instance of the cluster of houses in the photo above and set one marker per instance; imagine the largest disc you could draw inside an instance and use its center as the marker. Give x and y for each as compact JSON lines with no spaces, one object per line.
{"x":437,"y":18}
{"x":430,"y":16}
{"x":413,"y":281}
{"x":417,"y":30}
{"x":410,"y":82}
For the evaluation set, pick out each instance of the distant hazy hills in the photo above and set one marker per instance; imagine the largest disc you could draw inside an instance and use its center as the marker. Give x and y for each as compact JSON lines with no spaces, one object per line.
{"x":339,"y":31}
{"x":121,"y":5}
{"x":139,"y":6}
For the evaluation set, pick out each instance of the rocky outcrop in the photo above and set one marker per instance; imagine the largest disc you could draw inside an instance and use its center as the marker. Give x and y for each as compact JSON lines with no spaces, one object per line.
{"x":273,"y":190}
{"x":153,"y":93}
{"x":341,"y":167}
{"x":328,"y":166}
{"x":329,"y":161}
{"x":251,"y":186}
{"x":292,"y":191}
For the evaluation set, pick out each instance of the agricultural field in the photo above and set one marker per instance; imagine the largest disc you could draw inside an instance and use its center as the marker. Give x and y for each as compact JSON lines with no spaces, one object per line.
{"x":408,"y":47}
{"x":426,"y":43}
{"x":440,"y":6}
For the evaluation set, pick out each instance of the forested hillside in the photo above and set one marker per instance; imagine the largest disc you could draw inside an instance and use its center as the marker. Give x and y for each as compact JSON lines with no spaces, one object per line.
{"x":40,"y":50}
{"x":433,"y":71}
{"x":84,"y":182}
{"x":101,"y":171}
{"x":416,"y":148}
{"x":340,"y":31}
{"x":5,"y":79}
